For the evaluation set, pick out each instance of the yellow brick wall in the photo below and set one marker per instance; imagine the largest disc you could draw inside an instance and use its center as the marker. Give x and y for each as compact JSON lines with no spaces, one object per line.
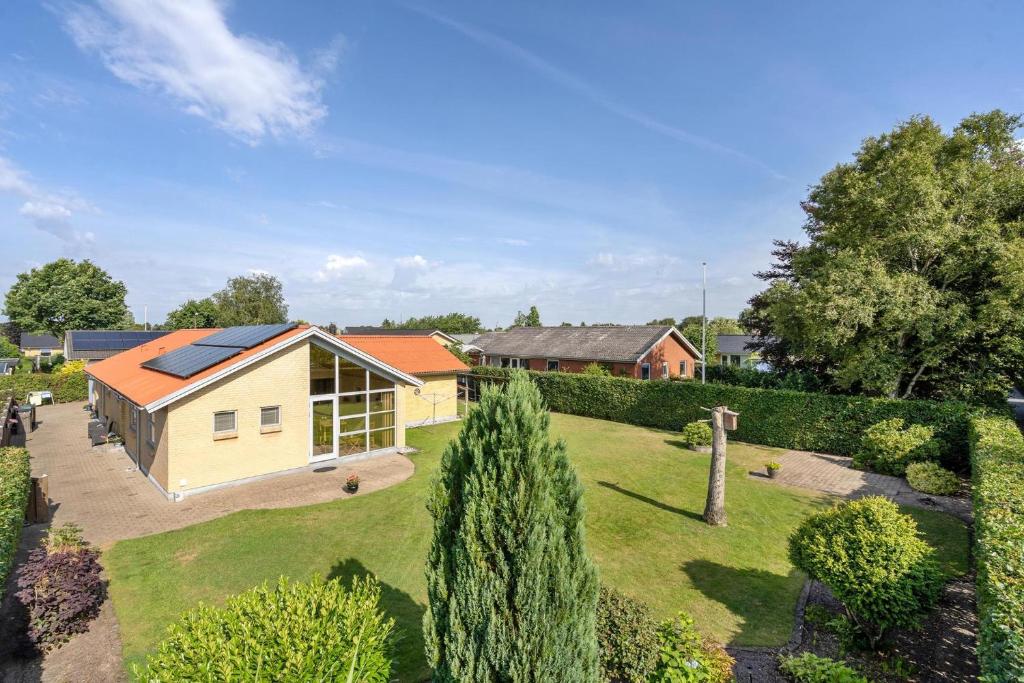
{"x":199,"y":459}
{"x":419,"y":410}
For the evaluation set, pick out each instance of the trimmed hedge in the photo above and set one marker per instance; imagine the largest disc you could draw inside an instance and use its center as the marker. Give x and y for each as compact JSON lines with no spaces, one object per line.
{"x":826,"y":423}
{"x":997,"y":458}
{"x":66,"y":387}
{"x":15,"y":482}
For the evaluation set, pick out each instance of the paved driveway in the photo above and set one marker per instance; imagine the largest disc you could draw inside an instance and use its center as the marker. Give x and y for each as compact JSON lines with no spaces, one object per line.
{"x":99,"y":488}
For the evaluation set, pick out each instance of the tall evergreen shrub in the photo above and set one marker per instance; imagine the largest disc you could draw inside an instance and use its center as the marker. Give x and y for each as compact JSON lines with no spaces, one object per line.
{"x":511,"y":591}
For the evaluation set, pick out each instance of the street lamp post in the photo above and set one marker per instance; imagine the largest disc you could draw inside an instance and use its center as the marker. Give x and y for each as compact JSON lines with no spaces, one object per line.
{"x":704,"y":325}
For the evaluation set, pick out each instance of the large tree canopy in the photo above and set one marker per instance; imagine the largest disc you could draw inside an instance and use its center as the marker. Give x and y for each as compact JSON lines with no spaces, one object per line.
{"x":251,"y":300}
{"x":67,"y":295}
{"x":194,"y":314}
{"x":528,"y":319}
{"x":912,"y":282}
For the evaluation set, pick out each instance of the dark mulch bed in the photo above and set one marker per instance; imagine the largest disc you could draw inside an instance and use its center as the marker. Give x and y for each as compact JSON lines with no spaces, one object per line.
{"x":943,"y":650}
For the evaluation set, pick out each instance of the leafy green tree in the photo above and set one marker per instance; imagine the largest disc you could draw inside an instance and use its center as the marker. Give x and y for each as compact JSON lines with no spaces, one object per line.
{"x":531,"y":319}
{"x":194,"y":313}
{"x":449,"y":323}
{"x":912,"y":282}
{"x":671,"y":322}
{"x":511,"y":591}
{"x":8,"y":349}
{"x":251,"y":300}
{"x":67,"y":295}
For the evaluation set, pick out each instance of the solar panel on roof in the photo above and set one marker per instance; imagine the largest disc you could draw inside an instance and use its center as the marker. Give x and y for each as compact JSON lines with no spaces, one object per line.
{"x":192,"y":359}
{"x":112,"y":340}
{"x":245,"y":336}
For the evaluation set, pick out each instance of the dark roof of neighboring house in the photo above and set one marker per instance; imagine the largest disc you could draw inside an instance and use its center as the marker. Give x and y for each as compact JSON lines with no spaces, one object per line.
{"x":39,"y":341}
{"x":97,"y":344}
{"x":735,"y":344}
{"x":466,"y":339}
{"x":394,"y":332}
{"x":617,"y":343}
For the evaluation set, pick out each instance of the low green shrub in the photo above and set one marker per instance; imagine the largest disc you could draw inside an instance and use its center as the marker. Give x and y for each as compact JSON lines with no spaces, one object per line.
{"x":809,"y":668}
{"x":997,"y":455}
{"x":928,"y":477}
{"x":685,"y":656}
{"x":697,"y":434}
{"x":65,"y":386}
{"x":870,"y":556}
{"x":889,"y":446}
{"x":15,"y":484}
{"x":597,"y":370}
{"x":62,"y":587}
{"x":627,"y":637}
{"x":825,"y":423}
{"x":758,"y":379}
{"x":314,"y":631}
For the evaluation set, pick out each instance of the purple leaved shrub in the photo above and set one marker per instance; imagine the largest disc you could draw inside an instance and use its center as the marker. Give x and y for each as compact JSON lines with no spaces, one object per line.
{"x":62,"y":592}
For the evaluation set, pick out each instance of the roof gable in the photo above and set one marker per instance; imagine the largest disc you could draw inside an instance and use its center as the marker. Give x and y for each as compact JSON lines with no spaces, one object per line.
{"x":414,"y":355}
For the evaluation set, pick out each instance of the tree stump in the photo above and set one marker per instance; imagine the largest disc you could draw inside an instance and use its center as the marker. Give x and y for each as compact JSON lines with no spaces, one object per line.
{"x":714,"y":509}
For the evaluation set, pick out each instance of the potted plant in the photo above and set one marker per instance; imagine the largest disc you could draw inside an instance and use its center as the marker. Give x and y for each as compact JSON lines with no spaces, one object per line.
{"x":772,"y":468}
{"x":352,"y":483}
{"x":697,"y":436}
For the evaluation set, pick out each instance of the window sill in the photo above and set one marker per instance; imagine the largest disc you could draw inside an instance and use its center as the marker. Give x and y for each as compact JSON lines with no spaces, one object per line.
{"x":270,"y":429}
{"x":225,"y":435}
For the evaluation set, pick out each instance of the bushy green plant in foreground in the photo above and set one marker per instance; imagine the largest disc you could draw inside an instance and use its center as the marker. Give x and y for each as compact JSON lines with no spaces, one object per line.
{"x":627,"y":637}
{"x":697,"y":434}
{"x":809,"y":668}
{"x":889,"y":446}
{"x":870,"y":556}
{"x":15,"y":482}
{"x":511,"y":590}
{"x":927,"y":477}
{"x":685,"y":656}
{"x":997,"y":455}
{"x":313,"y":631}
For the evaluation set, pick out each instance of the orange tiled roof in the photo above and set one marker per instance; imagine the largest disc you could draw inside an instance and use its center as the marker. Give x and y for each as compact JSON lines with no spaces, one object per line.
{"x":412,"y":355}
{"x":124,"y":372}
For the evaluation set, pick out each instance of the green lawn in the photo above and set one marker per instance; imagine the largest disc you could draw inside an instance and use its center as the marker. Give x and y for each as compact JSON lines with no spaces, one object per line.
{"x":644,"y":495}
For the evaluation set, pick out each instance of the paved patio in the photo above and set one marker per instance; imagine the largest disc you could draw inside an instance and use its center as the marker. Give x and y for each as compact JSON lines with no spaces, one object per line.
{"x":99,"y":488}
{"x":833,"y":474}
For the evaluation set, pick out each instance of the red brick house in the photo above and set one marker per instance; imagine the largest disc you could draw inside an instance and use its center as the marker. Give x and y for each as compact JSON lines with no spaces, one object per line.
{"x":640,"y":351}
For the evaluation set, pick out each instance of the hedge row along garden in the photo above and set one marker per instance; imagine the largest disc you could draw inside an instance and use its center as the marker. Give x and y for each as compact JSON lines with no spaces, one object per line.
{"x":66,"y":387}
{"x":785,"y":419}
{"x":15,"y":482}
{"x":997,"y":457}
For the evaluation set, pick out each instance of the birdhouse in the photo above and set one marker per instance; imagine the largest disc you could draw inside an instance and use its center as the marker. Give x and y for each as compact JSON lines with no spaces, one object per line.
{"x":730,"y":420}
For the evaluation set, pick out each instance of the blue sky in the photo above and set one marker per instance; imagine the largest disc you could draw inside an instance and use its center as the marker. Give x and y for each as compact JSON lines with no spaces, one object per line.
{"x":396,"y":159}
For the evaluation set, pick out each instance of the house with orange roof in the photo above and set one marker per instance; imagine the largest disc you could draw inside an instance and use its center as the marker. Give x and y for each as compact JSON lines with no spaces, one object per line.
{"x":424,"y":358}
{"x":201,"y":409}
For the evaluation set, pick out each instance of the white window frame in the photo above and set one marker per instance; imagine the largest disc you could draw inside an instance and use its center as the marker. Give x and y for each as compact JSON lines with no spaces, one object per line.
{"x":151,"y":429}
{"x":645,"y":368}
{"x":224,"y":432}
{"x":665,"y":372}
{"x":557,"y":367}
{"x":682,"y":368}
{"x":270,"y":425}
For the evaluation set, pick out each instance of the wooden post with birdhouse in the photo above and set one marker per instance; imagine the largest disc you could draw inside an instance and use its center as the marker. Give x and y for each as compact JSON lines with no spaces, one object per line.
{"x":722,"y":419}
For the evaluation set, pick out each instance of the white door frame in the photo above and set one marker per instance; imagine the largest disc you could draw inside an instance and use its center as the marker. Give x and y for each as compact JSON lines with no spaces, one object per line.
{"x":334,"y":428}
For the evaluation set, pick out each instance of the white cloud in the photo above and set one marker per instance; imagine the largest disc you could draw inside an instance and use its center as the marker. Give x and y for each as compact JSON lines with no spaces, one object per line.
{"x":416,"y":262}
{"x":49,"y":212}
{"x":337,"y":265}
{"x":249,"y":87}
{"x":514,"y":242}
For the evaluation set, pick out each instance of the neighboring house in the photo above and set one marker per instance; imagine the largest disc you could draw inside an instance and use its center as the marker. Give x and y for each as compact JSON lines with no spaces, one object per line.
{"x":435,"y":401}
{"x":39,"y":345}
{"x":93,"y":345}
{"x":8,"y":365}
{"x":641,"y":351}
{"x":437,"y":335}
{"x":734,"y":349}
{"x":467,"y":342}
{"x":199,"y":409}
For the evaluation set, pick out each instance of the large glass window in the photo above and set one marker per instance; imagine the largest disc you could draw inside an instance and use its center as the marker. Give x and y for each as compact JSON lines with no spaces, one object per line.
{"x":353,"y":410}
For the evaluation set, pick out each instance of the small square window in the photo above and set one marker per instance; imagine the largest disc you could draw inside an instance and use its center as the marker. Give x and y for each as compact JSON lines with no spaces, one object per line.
{"x":225,"y":422}
{"x":553,"y":365}
{"x":270,"y":416}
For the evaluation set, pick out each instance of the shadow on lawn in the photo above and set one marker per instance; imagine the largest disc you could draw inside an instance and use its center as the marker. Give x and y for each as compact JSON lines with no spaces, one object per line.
{"x":409,"y":662}
{"x":650,"y":501}
{"x":756,"y":596}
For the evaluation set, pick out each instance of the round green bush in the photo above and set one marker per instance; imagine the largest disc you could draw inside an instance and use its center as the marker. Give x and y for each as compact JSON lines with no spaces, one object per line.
{"x":889,"y":446}
{"x":870,"y":556}
{"x":627,"y":637}
{"x":927,"y":477}
{"x":314,"y":631}
{"x":697,"y":434}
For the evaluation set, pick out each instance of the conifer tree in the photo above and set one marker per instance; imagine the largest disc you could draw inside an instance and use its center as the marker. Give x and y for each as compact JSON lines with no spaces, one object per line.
{"x":511,"y":591}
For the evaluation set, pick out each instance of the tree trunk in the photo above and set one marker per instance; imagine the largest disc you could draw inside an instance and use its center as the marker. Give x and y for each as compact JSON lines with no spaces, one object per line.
{"x":714,"y":510}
